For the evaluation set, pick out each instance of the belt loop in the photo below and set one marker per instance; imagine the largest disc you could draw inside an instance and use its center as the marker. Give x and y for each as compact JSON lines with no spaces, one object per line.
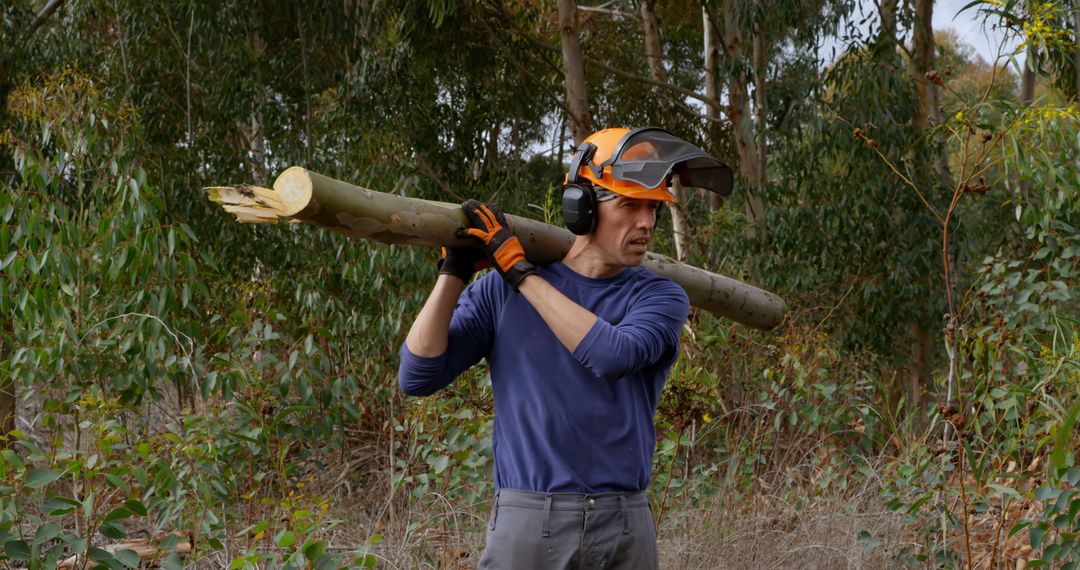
{"x":547,"y":514}
{"x":494,"y":512}
{"x":625,"y":514}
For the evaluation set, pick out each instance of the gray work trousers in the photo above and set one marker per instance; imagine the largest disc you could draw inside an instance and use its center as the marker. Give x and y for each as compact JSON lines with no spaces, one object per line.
{"x":553,"y":531}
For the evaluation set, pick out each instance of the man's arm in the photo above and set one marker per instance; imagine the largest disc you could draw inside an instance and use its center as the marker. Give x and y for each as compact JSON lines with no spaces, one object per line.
{"x":569,"y":321}
{"x":452,"y":331}
{"x":429,"y":334}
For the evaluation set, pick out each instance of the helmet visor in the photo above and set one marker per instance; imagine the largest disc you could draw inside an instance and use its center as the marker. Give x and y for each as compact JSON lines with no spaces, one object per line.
{"x":647,"y":156}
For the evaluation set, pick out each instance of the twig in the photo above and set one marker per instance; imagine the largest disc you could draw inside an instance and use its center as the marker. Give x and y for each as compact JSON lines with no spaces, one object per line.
{"x":667,"y":485}
{"x":891,"y":166}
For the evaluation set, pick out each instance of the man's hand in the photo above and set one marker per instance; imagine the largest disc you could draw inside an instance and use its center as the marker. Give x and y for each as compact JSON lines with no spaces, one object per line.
{"x":488,"y":224}
{"x":462,"y":262}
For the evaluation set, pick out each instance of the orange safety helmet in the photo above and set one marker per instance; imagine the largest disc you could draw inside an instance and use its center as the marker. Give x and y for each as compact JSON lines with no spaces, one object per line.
{"x":637,"y":164}
{"x":595,"y":167}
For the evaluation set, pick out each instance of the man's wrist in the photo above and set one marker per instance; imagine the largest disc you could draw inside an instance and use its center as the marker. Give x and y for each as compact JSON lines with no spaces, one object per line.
{"x":518,"y":272}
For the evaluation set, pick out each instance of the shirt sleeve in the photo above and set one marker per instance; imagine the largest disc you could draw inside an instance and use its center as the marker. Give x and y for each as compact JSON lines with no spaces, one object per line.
{"x":472,"y":330}
{"x":646,"y":336}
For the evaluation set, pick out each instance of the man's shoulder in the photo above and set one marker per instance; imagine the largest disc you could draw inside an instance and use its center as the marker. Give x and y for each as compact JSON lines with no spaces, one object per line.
{"x":653,"y":282}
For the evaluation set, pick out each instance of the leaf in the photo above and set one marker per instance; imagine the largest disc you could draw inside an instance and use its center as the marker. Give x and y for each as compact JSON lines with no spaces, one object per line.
{"x":1046,"y":493}
{"x":119,"y":513}
{"x":314,"y":549}
{"x":172,"y":562}
{"x":440,"y":463}
{"x":17,"y":550}
{"x":58,"y":506}
{"x":13,"y":459}
{"x":117,"y":482}
{"x":1004,"y":490}
{"x":285,"y":539}
{"x":128,"y":557}
{"x":7,"y":260}
{"x":39,"y":478}
{"x":46,"y":532}
{"x":113,"y":530}
{"x":136,"y":507}
{"x":867,"y":541}
{"x":1037,"y":534}
{"x":1062,"y":435}
{"x":1018,"y":527}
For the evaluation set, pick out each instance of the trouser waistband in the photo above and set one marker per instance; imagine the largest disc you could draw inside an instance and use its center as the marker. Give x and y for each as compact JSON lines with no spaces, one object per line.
{"x":572,"y":501}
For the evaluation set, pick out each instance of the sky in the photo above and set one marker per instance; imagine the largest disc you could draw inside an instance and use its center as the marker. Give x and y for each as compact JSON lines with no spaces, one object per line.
{"x":969,"y":27}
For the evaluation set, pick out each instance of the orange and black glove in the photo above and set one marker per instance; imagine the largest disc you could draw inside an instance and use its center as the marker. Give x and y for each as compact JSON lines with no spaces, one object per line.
{"x":488,"y":224}
{"x":462,"y":262}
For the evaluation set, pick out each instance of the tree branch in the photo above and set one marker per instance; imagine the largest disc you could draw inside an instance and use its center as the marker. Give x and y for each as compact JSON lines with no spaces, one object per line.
{"x":41,"y":17}
{"x":625,"y":74}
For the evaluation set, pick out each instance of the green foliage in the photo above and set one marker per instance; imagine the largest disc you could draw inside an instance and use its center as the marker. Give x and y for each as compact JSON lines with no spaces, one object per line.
{"x":184,"y":375}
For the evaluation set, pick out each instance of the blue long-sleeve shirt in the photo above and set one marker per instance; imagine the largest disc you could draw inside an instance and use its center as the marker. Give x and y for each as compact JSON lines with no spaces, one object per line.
{"x":578,"y":422}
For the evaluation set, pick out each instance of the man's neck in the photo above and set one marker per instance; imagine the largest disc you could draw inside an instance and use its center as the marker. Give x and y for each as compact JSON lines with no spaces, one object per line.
{"x":588,"y":260}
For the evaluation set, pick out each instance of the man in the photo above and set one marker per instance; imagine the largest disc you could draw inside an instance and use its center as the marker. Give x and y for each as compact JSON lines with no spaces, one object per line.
{"x":579,"y":351}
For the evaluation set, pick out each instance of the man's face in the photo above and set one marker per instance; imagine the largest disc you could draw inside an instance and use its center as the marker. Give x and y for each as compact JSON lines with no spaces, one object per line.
{"x":624,"y":229}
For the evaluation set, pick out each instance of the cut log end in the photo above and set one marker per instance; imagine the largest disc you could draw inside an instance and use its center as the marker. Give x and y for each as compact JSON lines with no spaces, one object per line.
{"x":255,"y":205}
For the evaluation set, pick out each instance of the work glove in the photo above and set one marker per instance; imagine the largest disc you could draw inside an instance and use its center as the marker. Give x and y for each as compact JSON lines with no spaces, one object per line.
{"x":462,"y":262}
{"x":488,"y":224}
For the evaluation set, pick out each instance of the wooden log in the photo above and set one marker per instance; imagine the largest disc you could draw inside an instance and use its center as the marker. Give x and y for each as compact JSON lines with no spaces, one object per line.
{"x":146,"y":550}
{"x":305,"y":196}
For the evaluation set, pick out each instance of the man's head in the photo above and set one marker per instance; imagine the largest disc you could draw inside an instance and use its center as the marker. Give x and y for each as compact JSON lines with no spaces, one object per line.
{"x":624,"y":230}
{"x":634,"y":164}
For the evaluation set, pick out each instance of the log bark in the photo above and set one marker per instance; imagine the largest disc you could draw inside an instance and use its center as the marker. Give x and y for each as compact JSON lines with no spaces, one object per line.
{"x":304,"y":196}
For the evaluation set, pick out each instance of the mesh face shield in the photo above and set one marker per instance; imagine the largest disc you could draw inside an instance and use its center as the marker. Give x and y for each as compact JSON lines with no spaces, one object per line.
{"x":647,"y":156}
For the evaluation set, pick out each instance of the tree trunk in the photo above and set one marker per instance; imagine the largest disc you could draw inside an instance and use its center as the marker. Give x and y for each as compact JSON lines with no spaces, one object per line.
{"x":305,"y":196}
{"x":927,"y":114}
{"x":1027,"y":87}
{"x":760,"y":56}
{"x":577,"y":97}
{"x":712,"y":87}
{"x":922,"y":364}
{"x":7,"y":388}
{"x":653,"y":51}
{"x":922,"y":63}
{"x":680,"y":224}
{"x":741,"y":120}
{"x":1076,"y":53}
{"x":886,"y":39}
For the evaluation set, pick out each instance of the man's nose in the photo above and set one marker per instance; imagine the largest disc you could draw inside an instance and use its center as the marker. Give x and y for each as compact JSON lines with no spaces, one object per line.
{"x":646,"y":218}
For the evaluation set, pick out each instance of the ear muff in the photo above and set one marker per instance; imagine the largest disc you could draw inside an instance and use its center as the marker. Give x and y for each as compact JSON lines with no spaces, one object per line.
{"x":579,"y":208}
{"x":579,"y":199}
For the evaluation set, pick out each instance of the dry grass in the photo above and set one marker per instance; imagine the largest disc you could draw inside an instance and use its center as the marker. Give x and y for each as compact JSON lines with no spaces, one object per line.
{"x":769,"y":532}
